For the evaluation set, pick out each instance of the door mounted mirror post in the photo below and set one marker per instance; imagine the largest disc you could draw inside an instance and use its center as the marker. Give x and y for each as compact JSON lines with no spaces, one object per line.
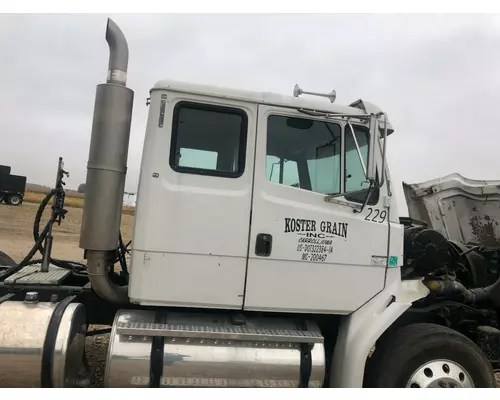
{"x":384,"y":137}
{"x":371,"y":164}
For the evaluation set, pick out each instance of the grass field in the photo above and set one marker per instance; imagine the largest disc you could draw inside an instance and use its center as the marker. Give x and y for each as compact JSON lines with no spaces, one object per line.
{"x":72,"y":199}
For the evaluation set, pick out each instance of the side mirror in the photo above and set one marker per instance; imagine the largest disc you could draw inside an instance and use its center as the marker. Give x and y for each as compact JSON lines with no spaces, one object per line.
{"x":371,"y":165}
{"x":377,"y":129}
{"x":374,"y":177}
{"x":370,"y":168}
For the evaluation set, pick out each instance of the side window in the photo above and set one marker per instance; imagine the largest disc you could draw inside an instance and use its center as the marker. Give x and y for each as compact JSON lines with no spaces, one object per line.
{"x":355,"y":180}
{"x":305,"y":153}
{"x":354,"y":175}
{"x":209,"y":140}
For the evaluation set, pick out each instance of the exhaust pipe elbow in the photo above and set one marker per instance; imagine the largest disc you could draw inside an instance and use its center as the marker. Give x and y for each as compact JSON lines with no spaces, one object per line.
{"x":118,"y":54}
{"x":97,"y":269}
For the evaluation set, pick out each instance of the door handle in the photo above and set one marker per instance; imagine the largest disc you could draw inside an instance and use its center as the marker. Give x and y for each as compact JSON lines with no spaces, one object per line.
{"x":263,"y":244}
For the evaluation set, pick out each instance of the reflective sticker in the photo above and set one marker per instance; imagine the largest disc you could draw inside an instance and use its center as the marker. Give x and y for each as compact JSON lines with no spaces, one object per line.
{"x":393,"y":261}
{"x":379,"y":261}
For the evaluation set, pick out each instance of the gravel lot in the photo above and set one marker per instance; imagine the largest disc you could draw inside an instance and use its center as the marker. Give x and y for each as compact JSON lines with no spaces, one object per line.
{"x":96,"y":347}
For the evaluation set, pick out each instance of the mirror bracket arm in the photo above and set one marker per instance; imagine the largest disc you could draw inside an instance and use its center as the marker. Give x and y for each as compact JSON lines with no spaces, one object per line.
{"x":368,"y":195}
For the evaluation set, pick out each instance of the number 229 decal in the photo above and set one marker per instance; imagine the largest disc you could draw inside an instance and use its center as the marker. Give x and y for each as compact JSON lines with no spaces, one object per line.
{"x":375,"y":215}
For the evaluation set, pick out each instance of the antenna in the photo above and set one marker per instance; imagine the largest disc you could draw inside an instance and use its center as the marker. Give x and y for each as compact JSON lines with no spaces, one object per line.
{"x":297,"y":91}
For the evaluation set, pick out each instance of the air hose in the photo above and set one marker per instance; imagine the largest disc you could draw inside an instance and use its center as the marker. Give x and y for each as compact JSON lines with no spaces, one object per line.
{"x":77,"y":268}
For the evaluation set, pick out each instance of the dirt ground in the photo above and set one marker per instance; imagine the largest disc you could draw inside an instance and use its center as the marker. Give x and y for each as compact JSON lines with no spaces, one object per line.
{"x":16,"y":231}
{"x":16,"y":239}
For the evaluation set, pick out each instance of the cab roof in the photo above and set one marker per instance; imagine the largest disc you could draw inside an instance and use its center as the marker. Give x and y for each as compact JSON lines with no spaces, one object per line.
{"x":359,"y":107}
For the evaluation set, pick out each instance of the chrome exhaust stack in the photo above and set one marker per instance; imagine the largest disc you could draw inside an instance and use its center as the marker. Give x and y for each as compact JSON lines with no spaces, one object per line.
{"x":106,"y":169}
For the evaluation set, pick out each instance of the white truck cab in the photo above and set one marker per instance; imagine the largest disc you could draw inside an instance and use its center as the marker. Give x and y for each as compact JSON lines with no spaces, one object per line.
{"x":255,"y":201}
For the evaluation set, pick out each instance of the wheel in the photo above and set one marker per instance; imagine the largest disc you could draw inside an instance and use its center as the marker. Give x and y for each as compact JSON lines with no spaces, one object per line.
{"x":14,"y":200}
{"x":428,"y":356}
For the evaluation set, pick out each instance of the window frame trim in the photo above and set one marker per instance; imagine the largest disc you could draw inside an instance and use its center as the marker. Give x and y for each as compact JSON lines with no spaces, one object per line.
{"x":243,"y":139}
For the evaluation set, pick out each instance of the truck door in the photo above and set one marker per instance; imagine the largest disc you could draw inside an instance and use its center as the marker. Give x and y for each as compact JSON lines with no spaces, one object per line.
{"x":307,"y":254}
{"x":193,"y":209}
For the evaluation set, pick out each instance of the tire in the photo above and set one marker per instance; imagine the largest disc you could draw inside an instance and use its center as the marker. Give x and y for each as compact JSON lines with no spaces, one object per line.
{"x":452,"y":357}
{"x":14,"y":200}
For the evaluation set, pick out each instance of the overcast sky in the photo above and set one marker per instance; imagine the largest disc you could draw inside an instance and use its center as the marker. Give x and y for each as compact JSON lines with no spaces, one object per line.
{"x":437,"y":77}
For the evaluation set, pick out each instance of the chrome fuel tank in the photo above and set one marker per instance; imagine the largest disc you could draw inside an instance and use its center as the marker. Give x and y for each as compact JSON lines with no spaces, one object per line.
{"x":198,"y":350}
{"x":24,"y":335}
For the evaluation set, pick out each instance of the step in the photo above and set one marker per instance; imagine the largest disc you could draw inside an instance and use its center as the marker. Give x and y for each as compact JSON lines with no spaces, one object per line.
{"x":223,"y":332}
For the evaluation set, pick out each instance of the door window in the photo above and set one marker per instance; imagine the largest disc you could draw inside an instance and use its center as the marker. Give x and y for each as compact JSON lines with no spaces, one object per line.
{"x":208,"y":140}
{"x":304,"y":153}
